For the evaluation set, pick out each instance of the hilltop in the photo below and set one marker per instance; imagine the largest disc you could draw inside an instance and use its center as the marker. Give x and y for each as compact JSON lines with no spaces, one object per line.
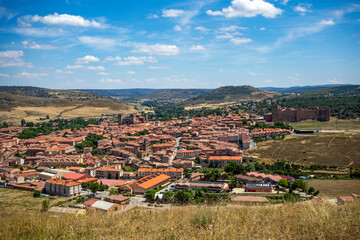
{"x":181,"y":94}
{"x":230,"y":94}
{"x":31,"y":104}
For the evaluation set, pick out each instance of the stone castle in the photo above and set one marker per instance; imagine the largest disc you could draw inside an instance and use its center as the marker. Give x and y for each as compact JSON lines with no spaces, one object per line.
{"x":297,"y":115}
{"x":132,"y":119}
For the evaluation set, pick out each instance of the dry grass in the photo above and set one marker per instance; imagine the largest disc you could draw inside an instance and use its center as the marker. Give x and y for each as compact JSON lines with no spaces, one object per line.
{"x":269,"y":222}
{"x":335,"y":188}
{"x":334,"y":124}
{"x":339,"y":149}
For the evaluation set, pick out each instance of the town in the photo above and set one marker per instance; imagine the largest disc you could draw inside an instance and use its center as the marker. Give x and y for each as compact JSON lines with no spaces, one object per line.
{"x":131,"y":162}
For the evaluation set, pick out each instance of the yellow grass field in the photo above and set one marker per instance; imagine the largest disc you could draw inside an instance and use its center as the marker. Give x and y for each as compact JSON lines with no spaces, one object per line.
{"x":333,"y":124}
{"x":332,"y":149}
{"x":335,"y":188}
{"x":21,"y":219}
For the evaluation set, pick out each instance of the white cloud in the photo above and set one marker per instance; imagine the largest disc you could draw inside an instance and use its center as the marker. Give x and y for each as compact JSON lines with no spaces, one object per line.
{"x":4,"y":75}
{"x":87,"y":59}
{"x":252,"y":74}
{"x":102,"y":73}
{"x":335,"y":81}
{"x":97,"y":68}
{"x":109,"y":80}
{"x":12,"y":58}
{"x":173,"y":13}
{"x":158,"y":49}
{"x":6,"y":13}
{"x":34,"y":45}
{"x":63,"y":72}
{"x":157,"y":67}
{"x":177,"y":28}
{"x":268,"y":81}
{"x":232,"y":28}
{"x":197,"y":48}
{"x":130,"y":72}
{"x":202,"y":29}
{"x":110,"y":59}
{"x":238,"y":41}
{"x":65,"y":19}
{"x":248,"y":8}
{"x":39,"y":32}
{"x":74,"y":66}
{"x":327,"y":23}
{"x":31,"y":75}
{"x":152,"y":16}
{"x":262,"y":29}
{"x":228,"y":35}
{"x":127,"y":61}
{"x":302,"y":8}
{"x":98,"y":42}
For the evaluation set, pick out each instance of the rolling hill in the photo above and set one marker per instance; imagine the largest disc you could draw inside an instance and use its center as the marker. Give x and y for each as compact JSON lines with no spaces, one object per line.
{"x":300,"y":89}
{"x":31,"y":104}
{"x":229,"y":94}
{"x":168,"y":94}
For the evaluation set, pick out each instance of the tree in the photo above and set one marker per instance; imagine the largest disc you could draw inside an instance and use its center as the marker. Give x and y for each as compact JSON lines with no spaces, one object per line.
{"x":47,"y":117}
{"x":150,"y":195}
{"x":94,"y":187}
{"x":299,"y":184}
{"x":284,"y":183}
{"x":45,"y":205}
{"x":23,"y":122}
{"x":311,"y":190}
{"x":168,"y":197}
{"x":212,"y":175}
{"x":184,"y":196}
{"x":234,"y":168}
{"x":36,"y":194}
{"x":114,"y":191}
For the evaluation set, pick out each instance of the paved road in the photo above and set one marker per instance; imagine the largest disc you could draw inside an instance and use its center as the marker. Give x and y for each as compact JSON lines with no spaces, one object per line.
{"x":176,"y":149}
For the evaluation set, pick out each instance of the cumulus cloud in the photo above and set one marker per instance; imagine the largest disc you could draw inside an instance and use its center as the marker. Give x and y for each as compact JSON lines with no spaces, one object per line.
{"x":232,"y":28}
{"x":12,"y":58}
{"x":96,"y":68}
{"x":152,"y":16}
{"x":228,"y":35}
{"x":39,"y":32}
{"x":87,"y":59}
{"x":158,"y":49}
{"x":102,"y":73}
{"x":262,"y":29}
{"x":127,"y":61}
{"x":74,"y":66}
{"x":238,"y":41}
{"x":172,"y":13}
{"x":303,"y":8}
{"x":63,"y":72}
{"x":98,"y":42}
{"x":197,"y":48}
{"x":268,"y":81}
{"x":110,"y":59}
{"x":248,"y":8}
{"x":177,"y":28}
{"x":157,"y":67}
{"x":327,"y":23}
{"x":130,"y":72}
{"x":202,"y":29}
{"x":65,"y":19}
{"x":34,"y":45}
{"x":4,"y":75}
{"x":31,"y":75}
{"x":109,"y":80}
{"x":252,"y":74}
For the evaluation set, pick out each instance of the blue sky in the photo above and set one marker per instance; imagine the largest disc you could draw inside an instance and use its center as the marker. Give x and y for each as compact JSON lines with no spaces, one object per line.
{"x":178,"y":44}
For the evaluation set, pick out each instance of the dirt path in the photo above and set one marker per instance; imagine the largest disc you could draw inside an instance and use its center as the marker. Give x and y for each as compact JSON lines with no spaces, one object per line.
{"x":351,"y":160}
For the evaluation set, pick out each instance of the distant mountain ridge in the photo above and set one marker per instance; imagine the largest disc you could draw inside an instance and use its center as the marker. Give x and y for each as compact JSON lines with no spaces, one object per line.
{"x":230,"y":94}
{"x":300,"y":89}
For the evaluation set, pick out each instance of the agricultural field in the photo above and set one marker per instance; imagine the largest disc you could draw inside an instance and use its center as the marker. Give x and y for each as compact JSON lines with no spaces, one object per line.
{"x":333,"y":124}
{"x":335,"y":188}
{"x":332,"y":149}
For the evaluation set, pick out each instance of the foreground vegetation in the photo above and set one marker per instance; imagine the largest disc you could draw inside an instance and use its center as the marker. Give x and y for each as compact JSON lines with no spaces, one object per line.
{"x":270,"y":222}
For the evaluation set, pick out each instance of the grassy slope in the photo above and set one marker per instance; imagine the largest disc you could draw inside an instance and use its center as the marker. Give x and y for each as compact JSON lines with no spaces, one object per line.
{"x":270,"y":222}
{"x":334,"y":124}
{"x":27,"y":104}
{"x":338,"y":149}
{"x":335,"y":188}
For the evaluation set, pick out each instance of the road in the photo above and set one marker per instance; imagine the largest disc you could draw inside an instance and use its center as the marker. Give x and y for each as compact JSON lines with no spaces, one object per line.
{"x":176,"y":149}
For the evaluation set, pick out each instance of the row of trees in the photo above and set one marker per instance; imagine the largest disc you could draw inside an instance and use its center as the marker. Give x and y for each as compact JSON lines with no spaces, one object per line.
{"x":183,"y":196}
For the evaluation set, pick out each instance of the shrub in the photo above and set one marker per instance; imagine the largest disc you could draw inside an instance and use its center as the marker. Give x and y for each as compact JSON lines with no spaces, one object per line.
{"x":36,"y":194}
{"x":45,"y":205}
{"x":202,"y":218}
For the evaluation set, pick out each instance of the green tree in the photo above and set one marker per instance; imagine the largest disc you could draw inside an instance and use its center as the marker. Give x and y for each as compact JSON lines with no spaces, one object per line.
{"x":234,"y":168}
{"x":168,"y":197}
{"x":184,"y":196}
{"x":311,"y":190}
{"x":284,"y":183}
{"x":114,"y":191}
{"x":23,"y":122}
{"x":150,"y":195}
{"x":299,"y":184}
{"x":94,"y":187}
{"x":36,"y":194}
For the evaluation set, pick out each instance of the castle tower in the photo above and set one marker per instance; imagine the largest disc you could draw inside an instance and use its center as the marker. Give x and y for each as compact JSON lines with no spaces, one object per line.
{"x":120,"y":119}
